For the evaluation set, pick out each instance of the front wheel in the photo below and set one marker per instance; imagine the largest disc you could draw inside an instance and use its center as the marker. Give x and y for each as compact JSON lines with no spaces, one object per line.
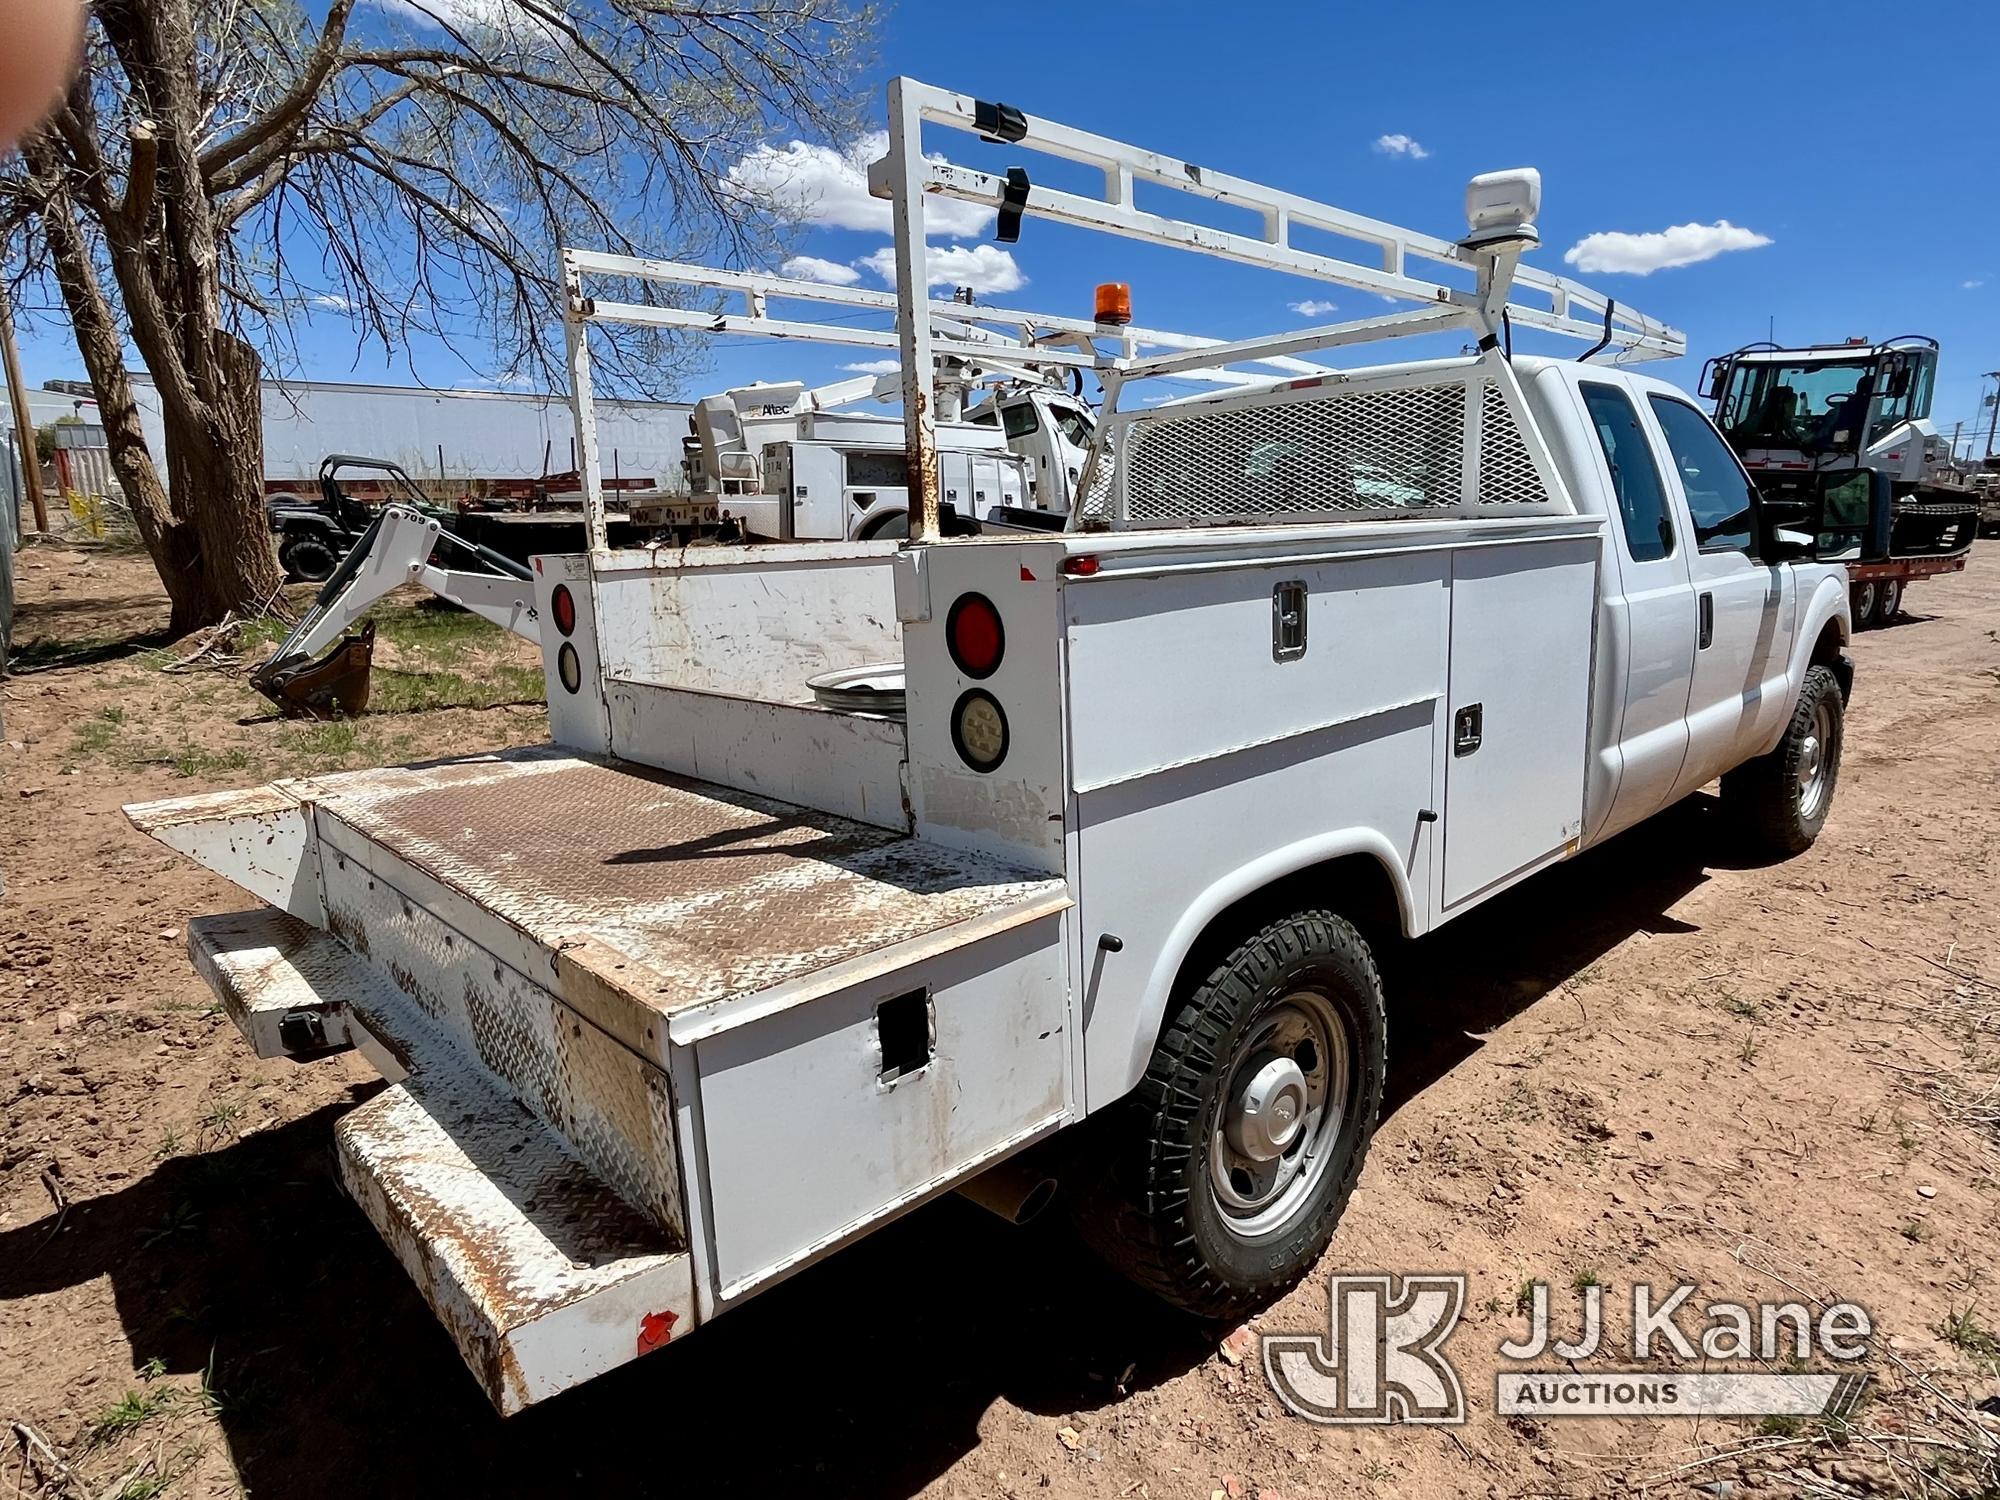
{"x":308,"y":558}
{"x":1781,"y":800}
{"x":1229,"y":1167}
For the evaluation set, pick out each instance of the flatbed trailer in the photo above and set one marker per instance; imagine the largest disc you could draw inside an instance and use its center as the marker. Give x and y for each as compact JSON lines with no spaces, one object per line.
{"x":734,"y":971}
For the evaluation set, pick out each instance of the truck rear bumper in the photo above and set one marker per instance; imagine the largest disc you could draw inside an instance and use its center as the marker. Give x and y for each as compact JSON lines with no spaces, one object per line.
{"x":542,"y":1275}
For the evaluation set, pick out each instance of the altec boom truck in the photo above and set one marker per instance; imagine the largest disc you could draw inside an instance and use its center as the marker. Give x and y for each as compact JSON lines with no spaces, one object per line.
{"x":727,"y":975}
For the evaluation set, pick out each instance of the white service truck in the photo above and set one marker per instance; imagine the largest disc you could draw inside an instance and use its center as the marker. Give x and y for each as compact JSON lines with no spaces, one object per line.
{"x":736,"y":970}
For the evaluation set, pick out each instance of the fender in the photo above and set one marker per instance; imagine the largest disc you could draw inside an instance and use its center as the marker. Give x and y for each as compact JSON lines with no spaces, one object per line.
{"x":1244,"y":881}
{"x":1829,"y":602}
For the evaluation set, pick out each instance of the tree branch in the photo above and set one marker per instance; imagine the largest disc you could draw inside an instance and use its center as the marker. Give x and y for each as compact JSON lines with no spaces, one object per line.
{"x":290,"y":111}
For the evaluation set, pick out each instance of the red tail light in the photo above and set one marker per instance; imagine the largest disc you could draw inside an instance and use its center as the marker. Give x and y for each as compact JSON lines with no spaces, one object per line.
{"x":562,"y":604}
{"x":975,"y":636}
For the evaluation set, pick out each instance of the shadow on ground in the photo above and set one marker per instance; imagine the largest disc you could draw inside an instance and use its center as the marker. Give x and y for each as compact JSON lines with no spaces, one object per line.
{"x":868,"y":1374}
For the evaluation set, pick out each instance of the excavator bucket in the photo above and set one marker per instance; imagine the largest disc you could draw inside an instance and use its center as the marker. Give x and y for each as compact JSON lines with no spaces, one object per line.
{"x":334,"y":686}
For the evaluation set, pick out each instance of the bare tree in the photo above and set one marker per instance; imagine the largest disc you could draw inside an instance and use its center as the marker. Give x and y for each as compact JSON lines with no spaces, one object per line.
{"x":413,"y":166}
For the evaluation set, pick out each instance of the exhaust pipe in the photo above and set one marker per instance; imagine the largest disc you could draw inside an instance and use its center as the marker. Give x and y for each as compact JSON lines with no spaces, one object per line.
{"x":1014,"y":1190}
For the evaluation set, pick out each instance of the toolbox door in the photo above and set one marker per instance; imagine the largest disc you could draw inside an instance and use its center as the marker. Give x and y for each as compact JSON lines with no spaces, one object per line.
{"x":1518,"y":709}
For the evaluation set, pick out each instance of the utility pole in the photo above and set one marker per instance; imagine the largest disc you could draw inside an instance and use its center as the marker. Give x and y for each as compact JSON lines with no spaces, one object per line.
{"x":1993,"y":421}
{"x":24,"y":425}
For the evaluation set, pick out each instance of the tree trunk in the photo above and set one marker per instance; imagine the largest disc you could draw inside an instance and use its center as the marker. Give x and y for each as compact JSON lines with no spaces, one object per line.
{"x":215,"y":467}
{"x":170,"y":541}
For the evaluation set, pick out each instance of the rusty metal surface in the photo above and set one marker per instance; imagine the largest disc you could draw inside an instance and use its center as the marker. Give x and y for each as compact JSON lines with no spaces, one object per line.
{"x":611,"y":1105}
{"x":543,"y":1274}
{"x":264,"y":966}
{"x":712,"y":892}
{"x":506,"y":1234}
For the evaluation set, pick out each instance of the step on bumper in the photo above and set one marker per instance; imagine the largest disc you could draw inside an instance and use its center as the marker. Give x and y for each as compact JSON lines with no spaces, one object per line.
{"x":542,"y":1274}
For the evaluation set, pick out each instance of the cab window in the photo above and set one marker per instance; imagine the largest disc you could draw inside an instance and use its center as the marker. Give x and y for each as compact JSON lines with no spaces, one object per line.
{"x":1718,"y":491}
{"x":1635,"y":477}
{"x":1019,"y":420}
{"x":1073,"y":424}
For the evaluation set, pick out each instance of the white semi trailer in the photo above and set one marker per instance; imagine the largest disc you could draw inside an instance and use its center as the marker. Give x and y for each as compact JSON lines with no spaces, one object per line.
{"x":725,"y":976}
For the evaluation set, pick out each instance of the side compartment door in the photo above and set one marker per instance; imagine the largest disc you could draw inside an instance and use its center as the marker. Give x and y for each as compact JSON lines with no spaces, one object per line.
{"x":1519,"y":697}
{"x":1743,"y":607}
{"x":1650,"y":609}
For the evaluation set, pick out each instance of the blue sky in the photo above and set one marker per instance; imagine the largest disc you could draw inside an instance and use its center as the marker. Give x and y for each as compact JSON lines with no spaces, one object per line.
{"x":1878,"y":191}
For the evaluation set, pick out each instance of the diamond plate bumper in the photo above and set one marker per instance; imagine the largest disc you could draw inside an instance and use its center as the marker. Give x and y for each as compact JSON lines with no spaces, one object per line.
{"x":542,"y":1274}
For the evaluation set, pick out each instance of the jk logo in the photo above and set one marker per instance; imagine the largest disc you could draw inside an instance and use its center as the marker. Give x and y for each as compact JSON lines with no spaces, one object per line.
{"x":1379,"y":1360}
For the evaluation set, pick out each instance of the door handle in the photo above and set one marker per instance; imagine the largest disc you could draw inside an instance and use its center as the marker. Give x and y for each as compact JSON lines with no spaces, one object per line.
{"x":1468,"y":729}
{"x":1707,"y":622}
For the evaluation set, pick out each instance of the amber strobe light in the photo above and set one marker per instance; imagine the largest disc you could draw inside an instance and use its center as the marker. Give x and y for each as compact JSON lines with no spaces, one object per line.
{"x":974,"y":635}
{"x":1114,"y":303}
{"x":562,"y":604}
{"x":979,"y":729}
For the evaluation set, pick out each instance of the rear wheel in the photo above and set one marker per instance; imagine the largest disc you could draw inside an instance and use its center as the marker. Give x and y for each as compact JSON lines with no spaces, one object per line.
{"x":1888,"y":600}
{"x":1228,"y":1169}
{"x":1780,"y":801}
{"x":307,"y":557}
{"x":1863,"y":600}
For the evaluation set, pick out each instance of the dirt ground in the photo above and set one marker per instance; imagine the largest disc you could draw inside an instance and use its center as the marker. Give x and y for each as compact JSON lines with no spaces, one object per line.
{"x":1654,"y":1064}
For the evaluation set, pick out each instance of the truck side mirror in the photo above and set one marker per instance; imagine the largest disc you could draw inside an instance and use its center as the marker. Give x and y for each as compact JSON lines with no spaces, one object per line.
{"x":1716,"y":376}
{"x":1831,"y":515}
{"x":1899,"y":381}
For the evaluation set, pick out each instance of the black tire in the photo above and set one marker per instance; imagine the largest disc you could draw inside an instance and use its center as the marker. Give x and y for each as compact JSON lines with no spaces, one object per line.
{"x":1862,"y":601}
{"x":309,"y":558}
{"x":1150,"y":1207}
{"x":1888,"y":600}
{"x":885,"y":528}
{"x":1767,"y":798}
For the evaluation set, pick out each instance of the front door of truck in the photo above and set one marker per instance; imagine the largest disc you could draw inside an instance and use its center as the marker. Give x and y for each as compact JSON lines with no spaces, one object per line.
{"x":1742,"y":607}
{"x":1658,"y":605}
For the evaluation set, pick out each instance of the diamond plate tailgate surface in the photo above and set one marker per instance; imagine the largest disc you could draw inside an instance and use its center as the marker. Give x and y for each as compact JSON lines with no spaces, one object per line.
{"x":712,"y":893}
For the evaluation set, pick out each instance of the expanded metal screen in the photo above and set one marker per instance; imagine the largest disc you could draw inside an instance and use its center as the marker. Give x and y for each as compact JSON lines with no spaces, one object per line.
{"x":1443,"y":443}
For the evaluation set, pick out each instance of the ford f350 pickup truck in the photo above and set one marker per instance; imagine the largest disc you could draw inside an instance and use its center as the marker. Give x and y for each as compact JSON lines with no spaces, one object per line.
{"x":735,"y":971}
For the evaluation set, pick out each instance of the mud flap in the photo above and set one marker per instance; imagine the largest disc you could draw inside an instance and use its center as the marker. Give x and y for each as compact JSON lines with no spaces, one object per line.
{"x":335,"y":686}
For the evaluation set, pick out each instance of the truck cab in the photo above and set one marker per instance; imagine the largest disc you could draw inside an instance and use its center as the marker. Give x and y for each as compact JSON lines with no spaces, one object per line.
{"x":1709,"y":612}
{"x":1048,"y":429}
{"x":1826,"y":405}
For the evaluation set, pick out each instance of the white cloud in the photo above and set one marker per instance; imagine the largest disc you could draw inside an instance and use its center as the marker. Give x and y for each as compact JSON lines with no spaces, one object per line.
{"x":332,"y":300}
{"x":1400,"y":145}
{"x":1973,"y":285}
{"x":819,"y":185}
{"x":984,"y":268}
{"x":812,"y":268}
{"x":1312,"y":307}
{"x":873,"y":367}
{"x":1643,"y":254}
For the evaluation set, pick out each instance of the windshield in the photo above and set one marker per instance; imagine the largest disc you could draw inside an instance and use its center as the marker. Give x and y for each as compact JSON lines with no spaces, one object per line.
{"x":1806,"y":405}
{"x":1784,"y":406}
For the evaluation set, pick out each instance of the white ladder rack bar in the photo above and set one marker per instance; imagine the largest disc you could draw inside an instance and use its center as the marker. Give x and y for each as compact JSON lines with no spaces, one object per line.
{"x":758,"y":286}
{"x":1116,"y":213}
{"x":1329,"y":335}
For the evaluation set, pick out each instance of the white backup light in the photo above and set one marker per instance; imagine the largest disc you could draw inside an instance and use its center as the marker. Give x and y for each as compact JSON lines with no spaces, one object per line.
{"x":1500,"y":209}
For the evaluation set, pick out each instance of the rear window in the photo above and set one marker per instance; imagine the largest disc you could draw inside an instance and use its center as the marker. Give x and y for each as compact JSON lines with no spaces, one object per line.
{"x":1635,"y":477}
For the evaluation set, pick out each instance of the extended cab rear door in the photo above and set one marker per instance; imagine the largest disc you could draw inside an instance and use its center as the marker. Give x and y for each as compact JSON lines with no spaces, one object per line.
{"x":1650,"y":604}
{"x":1743,"y":608}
